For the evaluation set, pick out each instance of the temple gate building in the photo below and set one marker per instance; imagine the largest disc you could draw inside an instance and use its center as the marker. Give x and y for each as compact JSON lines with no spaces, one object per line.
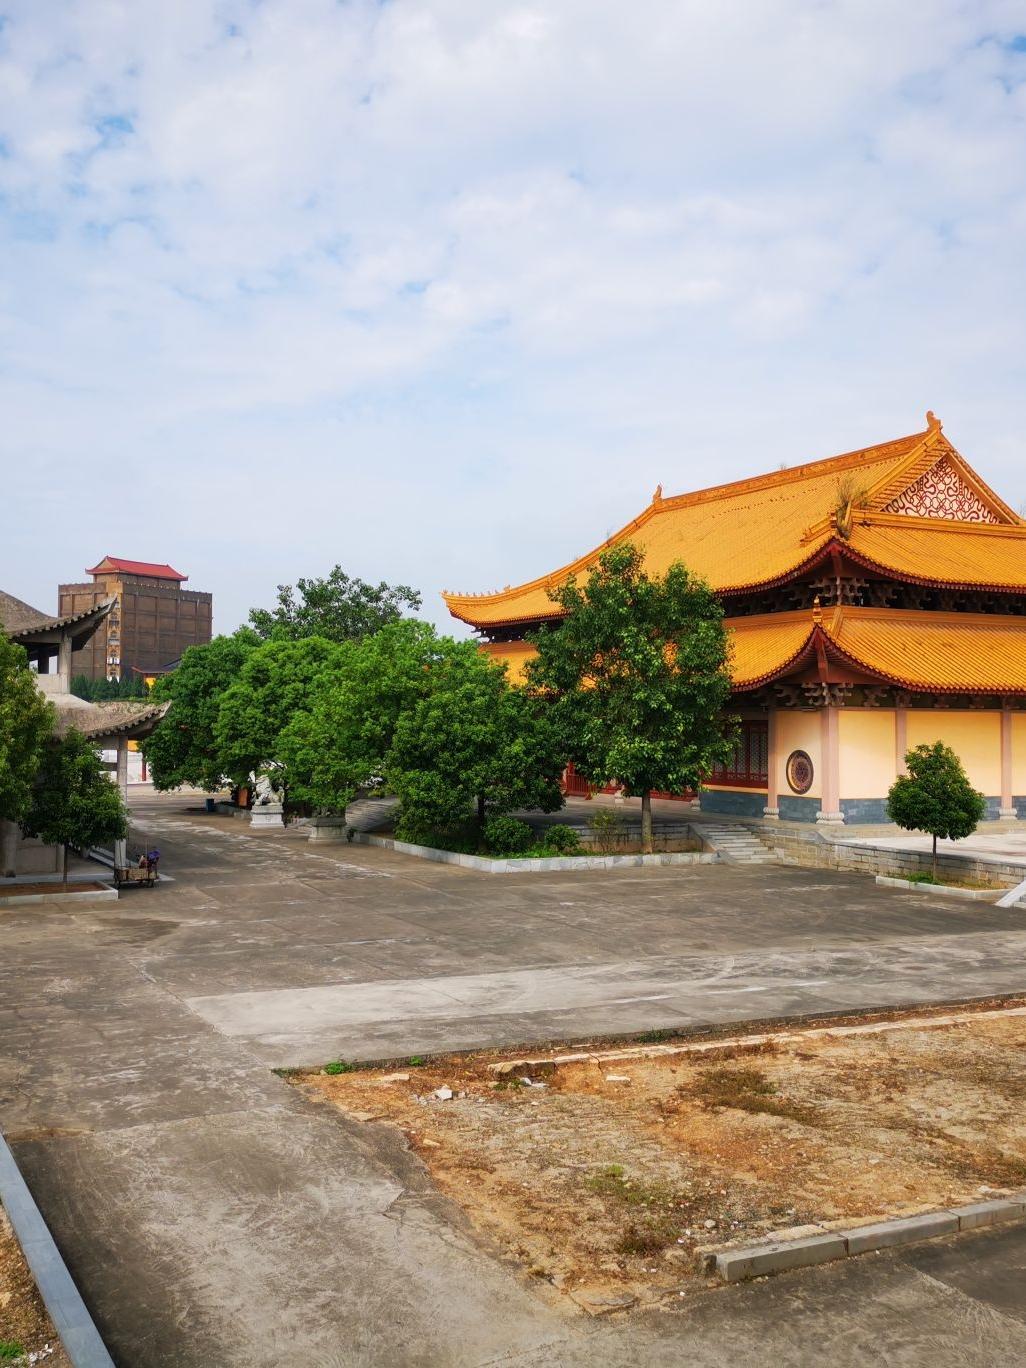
{"x":152,"y":619}
{"x":876,"y":600}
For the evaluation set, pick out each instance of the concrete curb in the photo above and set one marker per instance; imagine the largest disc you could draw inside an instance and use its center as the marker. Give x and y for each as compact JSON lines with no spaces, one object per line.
{"x":58,"y":899}
{"x":539,"y":866}
{"x":71,"y":1320}
{"x":777,"y":1256}
{"x":987,"y":895}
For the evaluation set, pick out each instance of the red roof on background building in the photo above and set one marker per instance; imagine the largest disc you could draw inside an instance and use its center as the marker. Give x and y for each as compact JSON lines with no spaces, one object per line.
{"x":131,"y":567}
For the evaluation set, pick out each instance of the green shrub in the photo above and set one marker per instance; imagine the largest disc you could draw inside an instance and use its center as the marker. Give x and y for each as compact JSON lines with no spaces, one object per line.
{"x":609,"y":828}
{"x":507,"y":836}
{"x":563,"y":840}
{"x":339,"y":1066}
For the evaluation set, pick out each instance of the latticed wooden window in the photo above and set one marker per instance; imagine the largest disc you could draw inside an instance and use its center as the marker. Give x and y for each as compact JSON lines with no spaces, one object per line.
{"x":748,"y":766}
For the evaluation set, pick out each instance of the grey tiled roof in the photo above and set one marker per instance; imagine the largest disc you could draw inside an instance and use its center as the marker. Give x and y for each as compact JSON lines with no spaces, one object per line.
{"x":19,"y":619}
{"x":119,"y":717}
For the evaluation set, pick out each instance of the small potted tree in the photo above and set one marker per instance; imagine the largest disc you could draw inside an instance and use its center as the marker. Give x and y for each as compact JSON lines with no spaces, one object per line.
{"x":935,"y":796}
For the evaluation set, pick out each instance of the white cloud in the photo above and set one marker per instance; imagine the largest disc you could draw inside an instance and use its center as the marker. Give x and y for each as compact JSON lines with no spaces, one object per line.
{"x":441,"y":290}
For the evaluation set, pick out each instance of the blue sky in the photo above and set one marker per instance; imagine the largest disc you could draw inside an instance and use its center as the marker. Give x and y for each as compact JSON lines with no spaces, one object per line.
{"x":441,"y":291}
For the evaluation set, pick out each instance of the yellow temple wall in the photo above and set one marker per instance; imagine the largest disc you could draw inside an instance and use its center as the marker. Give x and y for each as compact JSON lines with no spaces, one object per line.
{"x":1019,"y":754}
{"x":798,"y":731}
{"x":866,"y":752}
{"x":975,"y":737}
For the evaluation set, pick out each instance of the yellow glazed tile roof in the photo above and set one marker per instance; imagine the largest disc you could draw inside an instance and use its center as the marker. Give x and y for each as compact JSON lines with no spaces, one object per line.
{"x":941,"y":652}
{"x":920,"y":651}
{"x":932,"y":550}
{"x":759,"y":531}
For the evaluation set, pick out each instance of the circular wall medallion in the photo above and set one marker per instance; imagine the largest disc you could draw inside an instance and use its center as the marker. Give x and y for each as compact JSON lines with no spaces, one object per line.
{"x":800,"y":772}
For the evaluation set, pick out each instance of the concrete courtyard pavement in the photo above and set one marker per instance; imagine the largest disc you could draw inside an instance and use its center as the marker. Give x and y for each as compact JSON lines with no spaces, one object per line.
{"x":212,"y":1215}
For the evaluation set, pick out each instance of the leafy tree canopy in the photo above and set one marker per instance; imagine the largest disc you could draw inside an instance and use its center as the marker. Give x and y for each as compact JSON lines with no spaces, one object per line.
{"x":638,"y":669}
{"x":275,"y":684}
{"x":340,"y":743}
{"x":74,"y":801}
{"x":337,"y":607}
{"x":26,"y":721}
{"x":472,"y":740}
{"x":935,"y":796}
{"x":183,"y":747}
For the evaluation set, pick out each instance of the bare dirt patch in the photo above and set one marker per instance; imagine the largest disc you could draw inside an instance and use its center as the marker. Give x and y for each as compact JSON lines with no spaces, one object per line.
{"x":24,"y":1323}
{"x":607,"y":1177}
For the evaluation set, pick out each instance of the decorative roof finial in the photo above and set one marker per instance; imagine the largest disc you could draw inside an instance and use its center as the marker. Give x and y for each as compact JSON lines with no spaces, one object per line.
{"x":817,"y":611}
{"x":933,"y":423}
{"x":657,"y":497}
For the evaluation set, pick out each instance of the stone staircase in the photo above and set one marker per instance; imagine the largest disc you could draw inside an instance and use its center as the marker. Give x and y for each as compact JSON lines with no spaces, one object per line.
{"x":369,"y":814}
{"x":734,"y":843}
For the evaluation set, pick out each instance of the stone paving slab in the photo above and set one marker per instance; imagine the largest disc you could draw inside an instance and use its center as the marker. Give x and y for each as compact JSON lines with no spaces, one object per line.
{"x":214,"y":1216}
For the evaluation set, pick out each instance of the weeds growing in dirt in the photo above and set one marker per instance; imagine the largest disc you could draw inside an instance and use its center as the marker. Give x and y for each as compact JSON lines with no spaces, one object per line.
{"x":339,"y":1066}
{"x":10,"y":1350}
{"x":648,"y":1239}
{"x":745,"y":1090}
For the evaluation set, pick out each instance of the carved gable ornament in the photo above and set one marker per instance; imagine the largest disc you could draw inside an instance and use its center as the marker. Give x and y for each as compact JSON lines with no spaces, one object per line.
{"x":941,"y":493}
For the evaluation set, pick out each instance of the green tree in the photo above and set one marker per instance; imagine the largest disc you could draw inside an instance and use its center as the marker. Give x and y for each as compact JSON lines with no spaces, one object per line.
{"x":275,"y":684}
{"x":183,"y":747}
{"x":472,"y":741}
{"x":337,"y":607}
{"x":81,"y":686}
{"x":340,"y":743}
{"x":74,"y":801}
{"x":638,"y":670}
{"x":935,"y":796}
{"x":26,"y":722}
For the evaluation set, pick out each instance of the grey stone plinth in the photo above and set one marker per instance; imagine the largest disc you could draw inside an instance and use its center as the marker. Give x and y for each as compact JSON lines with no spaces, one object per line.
{"x":327,"y":829}
{"x":734,"y":1265}
{"x":269,"y":815}
{"x":886,"y":1234}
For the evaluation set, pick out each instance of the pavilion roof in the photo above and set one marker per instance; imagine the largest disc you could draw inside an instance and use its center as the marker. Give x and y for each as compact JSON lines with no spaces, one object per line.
{"x":760,"y":532}
{"x":147,"y":569}
{"x":918,"y":650}
{"x":118,"y":718}
{"x":23,"y":623}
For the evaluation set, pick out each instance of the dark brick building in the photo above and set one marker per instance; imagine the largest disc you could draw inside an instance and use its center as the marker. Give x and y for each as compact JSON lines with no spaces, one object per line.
{"x":152,"y":621}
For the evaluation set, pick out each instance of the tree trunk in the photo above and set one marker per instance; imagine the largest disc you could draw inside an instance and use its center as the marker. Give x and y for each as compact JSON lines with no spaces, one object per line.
{"x":65,"y":870}
{"x":935,"y":859}
{"x":646,"y":822}
{"x":481,"y":810}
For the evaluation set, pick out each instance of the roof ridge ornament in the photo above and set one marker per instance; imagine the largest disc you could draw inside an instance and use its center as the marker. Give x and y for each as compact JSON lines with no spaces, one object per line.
{"x":817,"y":611}
{"x":657,"y":497}
{"x":933,"y":423}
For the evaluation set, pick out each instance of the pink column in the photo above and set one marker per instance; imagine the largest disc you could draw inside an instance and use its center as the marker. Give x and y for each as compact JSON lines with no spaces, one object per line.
{"x":830,"y":764}
{"x":1007,"y":811}
{"x":772,"y":808}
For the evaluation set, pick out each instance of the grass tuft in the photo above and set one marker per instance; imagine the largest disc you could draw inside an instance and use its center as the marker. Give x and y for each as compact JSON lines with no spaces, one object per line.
{"x":746,"y":1090}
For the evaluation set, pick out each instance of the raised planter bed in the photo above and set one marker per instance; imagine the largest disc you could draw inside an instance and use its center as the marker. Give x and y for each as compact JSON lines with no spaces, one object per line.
{"x":942,"y":890}
{"x":541,"y":865}
{"x":55,"y":894}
